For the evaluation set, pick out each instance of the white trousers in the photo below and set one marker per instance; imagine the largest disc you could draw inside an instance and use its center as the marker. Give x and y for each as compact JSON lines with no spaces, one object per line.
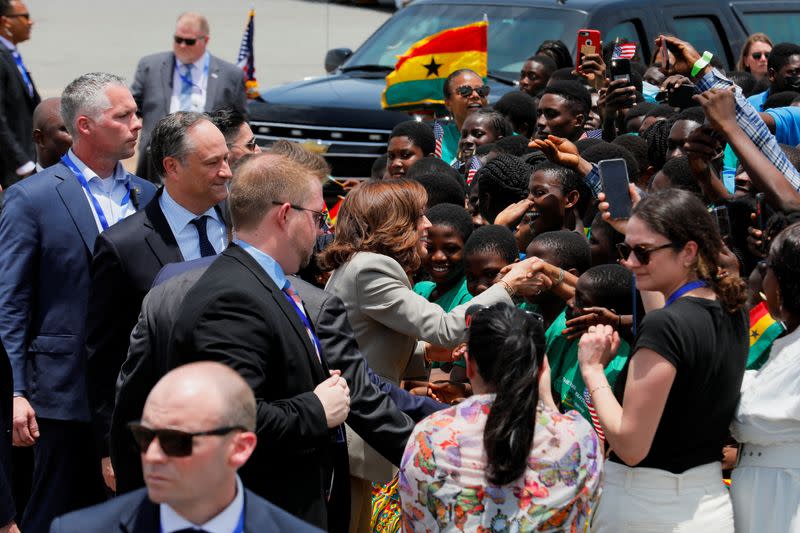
{"x":648,"y":500}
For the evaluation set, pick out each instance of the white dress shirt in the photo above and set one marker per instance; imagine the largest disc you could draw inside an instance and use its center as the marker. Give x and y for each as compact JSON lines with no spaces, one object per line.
{"x":179,"y":219}
{"x":109,"y":192}
{"x":199,"y":89}
{"x":224,"y":522}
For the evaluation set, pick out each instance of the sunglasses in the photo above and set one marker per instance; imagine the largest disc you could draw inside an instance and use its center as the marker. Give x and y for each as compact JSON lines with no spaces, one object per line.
{"x":173,"y":442}
{"x":466,"y":90}
{"x":320,"y":218}
{"x":642,"y":253}
{"x":250,"y":145}
{"x":189,"y":42}
{"x":757,"y":55}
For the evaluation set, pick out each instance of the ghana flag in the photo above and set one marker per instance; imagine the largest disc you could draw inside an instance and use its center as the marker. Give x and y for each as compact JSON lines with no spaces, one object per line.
{"x":418,"y":77}
{"x":763,"y":331}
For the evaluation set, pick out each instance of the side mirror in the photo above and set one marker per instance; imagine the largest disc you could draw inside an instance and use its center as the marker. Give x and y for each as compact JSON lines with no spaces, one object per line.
{"x":335,"y":57}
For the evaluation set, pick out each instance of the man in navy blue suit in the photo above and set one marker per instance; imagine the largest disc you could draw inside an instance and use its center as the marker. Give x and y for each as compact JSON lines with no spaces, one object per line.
{"x":48,"y":227}
{"x":197,"y":429}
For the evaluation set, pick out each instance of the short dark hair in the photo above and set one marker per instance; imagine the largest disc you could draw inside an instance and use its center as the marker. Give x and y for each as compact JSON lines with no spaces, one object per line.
{"x":378,"y":169}
{"x":573,"y":92}
{"x":745,"y":80}
{"x":587,"y":142}
{"x":570,"y":250}
{"x":564,"y":74}
{"x":784,"y":258}
{"x":567,"y":178}
{"x":637,"y":147}
{"x":781,"y":99}
{"x":453,"y":216}
{"x":558,"y":51}
{"x":418,"y":133}
{"x":228,"y":119}
{"x":661,"y":111}
{"x":519,"y":108}
{"x":516,"y":145}
{"x":441,"y":189}
{"x":506,"y":179}
{"x":680,"y":175}
{"x":639,"y":111}
{"x":5,"y":7}
{"x":611,"y":287}
{"x":493,"y":239}
{"x":545,"y":61}
{"x":169,"y":137}
{"x":780,"y":55}
{"x":692,"y":114}
{"x":433,"y":165}
{"x":499,"y":123}
{"x":606,"y":150}
{"x":452,"y":76}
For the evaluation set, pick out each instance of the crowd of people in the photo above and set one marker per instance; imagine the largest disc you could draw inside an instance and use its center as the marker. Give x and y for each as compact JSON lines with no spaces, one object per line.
{"x":492,"y":337}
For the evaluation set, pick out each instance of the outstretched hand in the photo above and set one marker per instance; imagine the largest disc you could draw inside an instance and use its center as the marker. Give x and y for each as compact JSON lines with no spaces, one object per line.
{"x":685,"y":56}
{"x":558,"y":150}
{"x":719,"y":105}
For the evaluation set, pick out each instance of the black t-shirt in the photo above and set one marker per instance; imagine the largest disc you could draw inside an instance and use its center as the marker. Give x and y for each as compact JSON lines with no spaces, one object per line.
{"x":708,"y":346}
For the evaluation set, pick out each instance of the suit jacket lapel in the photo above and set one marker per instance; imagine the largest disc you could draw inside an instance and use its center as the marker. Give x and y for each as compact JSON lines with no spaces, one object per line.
{"x":6,"y":54}
{"x":78,"y":206}
{"x":142,"y":518}
{"x":212,"y":84}
{"x":167,"y":69}
{"x":160,"y":239}
{"x":284,"y":305}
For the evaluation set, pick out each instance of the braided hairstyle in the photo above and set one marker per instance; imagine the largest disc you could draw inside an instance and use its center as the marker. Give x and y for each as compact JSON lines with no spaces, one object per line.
{"x":507,"y":346}
{"x":784,"y":258}
{"x":501,"y":182}
{"x":657,"y":137}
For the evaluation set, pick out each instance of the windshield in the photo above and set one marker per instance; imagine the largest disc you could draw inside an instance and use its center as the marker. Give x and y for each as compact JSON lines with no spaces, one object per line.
{"x":515,"y":32}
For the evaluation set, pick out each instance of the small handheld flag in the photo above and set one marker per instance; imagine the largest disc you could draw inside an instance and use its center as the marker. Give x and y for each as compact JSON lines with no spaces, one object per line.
{"x":473,"y":166}
{"x":438,"y":134}
{"x":246,"y":59}
{"x":624,"y":51}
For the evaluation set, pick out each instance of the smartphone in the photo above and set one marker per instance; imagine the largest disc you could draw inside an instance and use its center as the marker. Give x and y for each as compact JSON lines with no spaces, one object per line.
{"x":681,"y":97}
{"x":723,"y":221}
{"x":588,"y":43}
{"x":614,"y":179}
{"x":620,"y":69}
{"x":760,"y":214}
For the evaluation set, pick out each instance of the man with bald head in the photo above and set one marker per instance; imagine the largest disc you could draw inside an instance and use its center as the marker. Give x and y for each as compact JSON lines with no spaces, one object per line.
{"x":244,"y":312}
{"x":197,"y":429}
{"x":50,"y":135}
{"x":184,"y":222}
{"x":188,"y":78}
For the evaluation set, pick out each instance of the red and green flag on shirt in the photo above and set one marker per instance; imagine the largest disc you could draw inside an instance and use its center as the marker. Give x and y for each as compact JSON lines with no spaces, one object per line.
{"x":763,"y":332}
{"x":419,"y":75}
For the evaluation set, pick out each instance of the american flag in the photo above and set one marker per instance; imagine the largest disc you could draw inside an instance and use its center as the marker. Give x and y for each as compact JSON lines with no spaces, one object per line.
{"x":624,"y":51}
{"x":246,"y":59}
{"x":438,"y":134}
{"x":473,"y":166}
{"x":593,"y":414}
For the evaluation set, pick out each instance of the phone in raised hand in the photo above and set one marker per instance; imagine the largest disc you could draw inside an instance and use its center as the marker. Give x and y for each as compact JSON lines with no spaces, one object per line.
{"x":615,"y":182}
{"x":588,"y":43}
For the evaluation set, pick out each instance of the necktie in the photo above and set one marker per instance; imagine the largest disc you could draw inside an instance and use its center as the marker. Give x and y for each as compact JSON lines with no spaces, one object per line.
{"x":191,"y":530}
{"x":23,"y":71}
{"x":186,"y":88}
{"x":206,"y":249}
{"x":298,"y":305}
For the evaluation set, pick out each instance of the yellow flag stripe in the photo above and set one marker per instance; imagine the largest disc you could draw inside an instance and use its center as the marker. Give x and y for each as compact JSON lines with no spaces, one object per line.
{"x":414,"y":68}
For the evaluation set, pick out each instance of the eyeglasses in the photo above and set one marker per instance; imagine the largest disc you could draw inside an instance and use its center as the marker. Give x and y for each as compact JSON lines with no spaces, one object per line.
{"x":250,"y":145}
{"x":189,"y":42}
{"x":175,"y":443}
{"x":641,"y":252}
{"x":26,"y":16}
{"x":320,"y":217}
{"x":757,"y":55}
{"x":466,"y":90}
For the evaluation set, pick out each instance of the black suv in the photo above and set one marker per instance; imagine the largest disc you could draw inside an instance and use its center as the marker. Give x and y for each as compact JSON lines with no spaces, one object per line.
{"x":340,"y":115}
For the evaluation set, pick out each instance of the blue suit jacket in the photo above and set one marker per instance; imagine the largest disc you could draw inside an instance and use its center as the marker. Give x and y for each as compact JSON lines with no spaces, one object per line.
{"x":135,"y":513}
{"x":47,"y":231}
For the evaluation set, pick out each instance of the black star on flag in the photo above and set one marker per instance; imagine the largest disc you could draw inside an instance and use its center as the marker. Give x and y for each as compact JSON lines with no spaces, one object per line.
{"x":433,"y":67}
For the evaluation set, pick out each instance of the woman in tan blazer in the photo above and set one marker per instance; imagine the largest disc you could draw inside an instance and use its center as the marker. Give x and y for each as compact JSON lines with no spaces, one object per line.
{"x":381,"y":235}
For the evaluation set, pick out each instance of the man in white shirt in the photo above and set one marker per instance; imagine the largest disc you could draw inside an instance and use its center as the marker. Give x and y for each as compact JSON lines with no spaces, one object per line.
{"x":188,"y":78}
{"x":197,"y":429}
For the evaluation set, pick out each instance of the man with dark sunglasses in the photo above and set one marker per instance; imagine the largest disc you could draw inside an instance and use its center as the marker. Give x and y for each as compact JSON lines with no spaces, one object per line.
{"x":197,"y":430}
{"x":194,"y":80}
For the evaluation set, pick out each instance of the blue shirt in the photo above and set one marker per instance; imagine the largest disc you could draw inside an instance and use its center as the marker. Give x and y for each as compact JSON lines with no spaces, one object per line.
{"x":179,"y":219}
{"x":266,"y":262}
{"x":108,"y":192}
{"x":787,"y":124}
{"x":757,"y":100}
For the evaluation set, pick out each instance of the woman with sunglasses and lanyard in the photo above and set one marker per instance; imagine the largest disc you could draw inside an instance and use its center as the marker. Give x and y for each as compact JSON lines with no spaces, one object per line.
{"x":755,"y":53}
{"x":464,"y":92}
{"x":668,"y":417}
{"x":765,"y":485}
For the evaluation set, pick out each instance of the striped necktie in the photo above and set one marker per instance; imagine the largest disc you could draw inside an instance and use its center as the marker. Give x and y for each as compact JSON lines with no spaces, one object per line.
{"x":186,"y":88}
{"x":298,"y":305}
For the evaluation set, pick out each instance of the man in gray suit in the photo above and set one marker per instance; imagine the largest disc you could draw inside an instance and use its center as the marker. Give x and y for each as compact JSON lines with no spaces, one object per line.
{"x":188,"y":78}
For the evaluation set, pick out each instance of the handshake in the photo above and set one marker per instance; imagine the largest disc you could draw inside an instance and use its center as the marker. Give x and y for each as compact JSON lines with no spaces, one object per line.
{"x":334,"y":395}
